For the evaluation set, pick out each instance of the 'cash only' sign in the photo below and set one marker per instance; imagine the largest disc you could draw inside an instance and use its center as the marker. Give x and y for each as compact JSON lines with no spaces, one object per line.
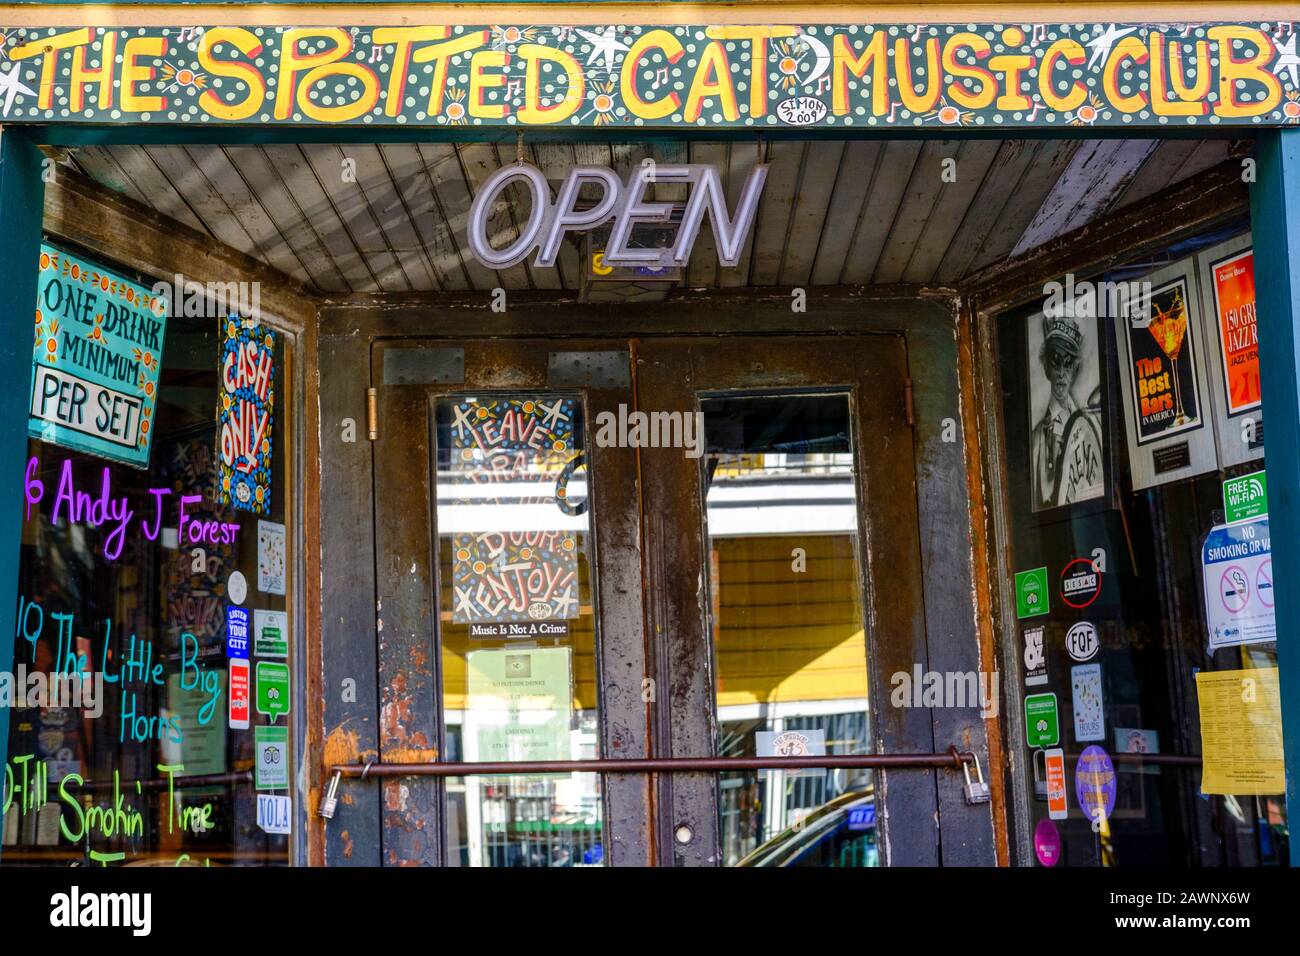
{"x":97,"y":353}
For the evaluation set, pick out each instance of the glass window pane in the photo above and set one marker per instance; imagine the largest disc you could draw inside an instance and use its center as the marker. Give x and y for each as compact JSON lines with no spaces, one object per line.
{"x":789,"y":646}
{"x":135,"y":585}
{"x":518,"y":629}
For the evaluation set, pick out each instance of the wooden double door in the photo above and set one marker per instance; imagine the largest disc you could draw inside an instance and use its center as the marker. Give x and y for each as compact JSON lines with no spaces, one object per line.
{"x":676,"y":547}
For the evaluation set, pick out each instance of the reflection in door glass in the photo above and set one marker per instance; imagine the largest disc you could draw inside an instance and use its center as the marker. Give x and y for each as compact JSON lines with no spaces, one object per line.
{"x":518,"y":631}
{"x":790,"y":655}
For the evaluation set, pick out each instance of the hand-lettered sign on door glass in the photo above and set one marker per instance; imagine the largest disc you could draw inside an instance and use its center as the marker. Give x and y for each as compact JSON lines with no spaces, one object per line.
{"x":509,"y":459}
{"x":96,"y":359}
{"x":245,"y":415}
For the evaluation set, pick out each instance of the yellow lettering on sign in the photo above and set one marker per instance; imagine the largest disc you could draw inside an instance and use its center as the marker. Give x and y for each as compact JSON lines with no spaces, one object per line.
{"x":845,"y":63}
{"x":712,"y":80}
{"x":985,"y":82}
{"x":440,"y":55}
{"x":133,"y":73}
{"x":250,"y":46}
{"x":1128,"y":49}
{"x":532,"y":112}
{"x":757,"y":38}
{"x":402,"y":39}
{"x":480,"y":82}
{"x":1248,"y":70}
{"x":50,"y":46}
{"x":672,"y":50}
{"x":1072,"y":53}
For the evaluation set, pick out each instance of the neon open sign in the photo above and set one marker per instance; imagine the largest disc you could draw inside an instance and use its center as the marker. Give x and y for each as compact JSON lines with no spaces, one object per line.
{"x":625,"y":203}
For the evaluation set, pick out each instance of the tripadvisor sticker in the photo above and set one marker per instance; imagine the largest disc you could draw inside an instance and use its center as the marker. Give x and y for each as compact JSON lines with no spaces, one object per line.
{"x":1031,"y":593}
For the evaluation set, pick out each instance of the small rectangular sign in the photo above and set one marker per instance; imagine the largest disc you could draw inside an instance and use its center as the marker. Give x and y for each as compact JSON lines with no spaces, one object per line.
{"x":524,"y":630}
{"x":1245,"y":497}
{"x":96,"y":359}
{"x":272,"y":689}
{"x":239,"y":696}
{"x":1031,"y":593}
{"x":236,"y":632}
{"x":271,"y":752}
{"x":1057,"y":807}
{"x":270,"y":633}
{"x":1042,"y":723}
{"x":275,"y":813}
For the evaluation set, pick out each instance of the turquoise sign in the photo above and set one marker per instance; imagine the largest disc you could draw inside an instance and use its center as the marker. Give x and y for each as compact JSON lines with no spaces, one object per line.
{"x":97,"y":355}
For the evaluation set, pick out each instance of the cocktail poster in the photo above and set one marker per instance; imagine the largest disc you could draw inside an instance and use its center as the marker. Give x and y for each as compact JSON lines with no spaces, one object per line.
{"x":1161,"y":363}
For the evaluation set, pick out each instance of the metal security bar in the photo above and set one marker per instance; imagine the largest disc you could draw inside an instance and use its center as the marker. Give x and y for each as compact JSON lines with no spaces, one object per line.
{"x":952,"y":758}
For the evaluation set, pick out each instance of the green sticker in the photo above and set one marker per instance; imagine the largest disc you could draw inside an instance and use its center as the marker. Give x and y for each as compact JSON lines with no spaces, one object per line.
{"x":272,"y":688}
{"x":1031,"y":593}
{"x":1245,"y":497}
{"x":271,"y":754}
{"x":1042,"y":725}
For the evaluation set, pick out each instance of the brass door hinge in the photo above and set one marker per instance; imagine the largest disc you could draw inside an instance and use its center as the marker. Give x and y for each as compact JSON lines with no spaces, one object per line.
{"x":372,"y":413}
{"x":907,"y":403}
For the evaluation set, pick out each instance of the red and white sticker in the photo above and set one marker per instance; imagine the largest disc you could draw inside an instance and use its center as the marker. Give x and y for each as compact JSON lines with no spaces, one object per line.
{"x":1057,"y":806}
{"x":238,"y":694}
{"x":1080,"y":583}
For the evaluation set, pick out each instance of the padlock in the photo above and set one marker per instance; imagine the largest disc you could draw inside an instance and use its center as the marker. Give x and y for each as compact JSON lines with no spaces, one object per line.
{"x":1040,"y":784}
{"x":976,"y":791}
{"x":330,"y":802}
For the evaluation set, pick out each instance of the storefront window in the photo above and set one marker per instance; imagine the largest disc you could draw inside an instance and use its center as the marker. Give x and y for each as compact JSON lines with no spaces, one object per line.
{"x":1139,"y":537}
{"x":789,"y":646}
{"x":154,"y":585}
{"x":518,"y":629}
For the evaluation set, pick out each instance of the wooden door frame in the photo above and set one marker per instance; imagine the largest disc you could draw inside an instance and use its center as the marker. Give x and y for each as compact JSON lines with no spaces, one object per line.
{"x":946,"y":449}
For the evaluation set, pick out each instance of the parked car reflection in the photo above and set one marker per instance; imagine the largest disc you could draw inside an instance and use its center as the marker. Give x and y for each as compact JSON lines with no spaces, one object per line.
{"x":840,"y":834}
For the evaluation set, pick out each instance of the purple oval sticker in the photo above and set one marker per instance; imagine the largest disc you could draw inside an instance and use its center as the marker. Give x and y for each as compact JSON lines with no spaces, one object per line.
{"x":1094,"y":783}
{"x":1047,"y":843}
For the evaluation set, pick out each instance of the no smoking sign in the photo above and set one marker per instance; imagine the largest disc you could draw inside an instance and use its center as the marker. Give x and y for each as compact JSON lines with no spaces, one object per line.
{"x":1237,"y":570}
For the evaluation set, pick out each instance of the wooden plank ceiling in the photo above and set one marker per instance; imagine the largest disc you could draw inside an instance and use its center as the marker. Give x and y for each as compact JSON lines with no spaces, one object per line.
{"x":391,"y":218}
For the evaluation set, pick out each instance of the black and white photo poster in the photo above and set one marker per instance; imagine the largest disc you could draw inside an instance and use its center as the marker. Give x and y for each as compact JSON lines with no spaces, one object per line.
{"x":1067,"y":448}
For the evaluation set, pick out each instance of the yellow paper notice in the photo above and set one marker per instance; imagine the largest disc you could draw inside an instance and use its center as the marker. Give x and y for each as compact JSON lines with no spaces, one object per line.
{"x":1241,"y":732}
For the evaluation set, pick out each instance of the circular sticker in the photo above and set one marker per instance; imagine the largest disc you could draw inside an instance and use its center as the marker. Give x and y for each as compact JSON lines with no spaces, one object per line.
{"x":1082,"y":642}
{"x":237,"y":587}
{"x":1047,"y":843}
{"x":1080,"y":583}
{"x":1094,"y":783}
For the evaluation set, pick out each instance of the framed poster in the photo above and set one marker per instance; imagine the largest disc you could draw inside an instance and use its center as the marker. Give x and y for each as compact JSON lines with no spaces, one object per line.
{"x":96,"y":359}
{"x":1227,"y":273}
{"x":1068,"y":445}
{"x":1162,"y":372}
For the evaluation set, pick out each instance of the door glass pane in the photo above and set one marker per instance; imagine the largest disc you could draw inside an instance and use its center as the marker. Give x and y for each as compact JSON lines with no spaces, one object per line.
{"x":518,"y":630}
{"x":790,"y":656}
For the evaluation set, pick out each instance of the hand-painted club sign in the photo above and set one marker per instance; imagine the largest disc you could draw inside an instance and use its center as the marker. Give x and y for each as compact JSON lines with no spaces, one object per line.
{"x":1126,"y":75}
{"x":623,"y":202}
{"x":97,"y":355}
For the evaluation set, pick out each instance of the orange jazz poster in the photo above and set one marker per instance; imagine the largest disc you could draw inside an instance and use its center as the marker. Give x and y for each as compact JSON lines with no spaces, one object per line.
{"x":1234,"y":306}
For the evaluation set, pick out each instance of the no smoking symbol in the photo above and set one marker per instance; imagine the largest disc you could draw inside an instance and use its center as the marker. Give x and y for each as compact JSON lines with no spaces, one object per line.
{"x":1234,"y":589}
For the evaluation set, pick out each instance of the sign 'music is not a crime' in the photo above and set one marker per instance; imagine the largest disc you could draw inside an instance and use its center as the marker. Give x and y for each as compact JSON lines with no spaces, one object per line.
{"x":96,"y":357}
{"x":1039,"y":75}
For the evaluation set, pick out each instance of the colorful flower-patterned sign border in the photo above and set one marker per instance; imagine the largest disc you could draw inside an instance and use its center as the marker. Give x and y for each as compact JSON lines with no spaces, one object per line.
{"x":97,"y":330}
{"x":627,"y":76}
